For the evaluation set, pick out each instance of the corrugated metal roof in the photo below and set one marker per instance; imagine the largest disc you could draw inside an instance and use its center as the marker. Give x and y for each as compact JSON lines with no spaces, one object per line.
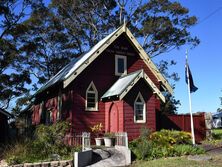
{"x":121,"y":84}
{"x":60,"y":76}
{"x":70,"y":68}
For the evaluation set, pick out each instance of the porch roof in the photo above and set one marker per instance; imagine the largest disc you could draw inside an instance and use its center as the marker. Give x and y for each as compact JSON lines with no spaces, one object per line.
{"x":124,"y":84}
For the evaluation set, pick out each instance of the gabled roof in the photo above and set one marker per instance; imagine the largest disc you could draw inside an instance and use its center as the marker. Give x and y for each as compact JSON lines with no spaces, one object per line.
{"x":5,"y":113}
{"x":75,"y":67}
{"x":125,"y":83}
{"x":60,"y":76}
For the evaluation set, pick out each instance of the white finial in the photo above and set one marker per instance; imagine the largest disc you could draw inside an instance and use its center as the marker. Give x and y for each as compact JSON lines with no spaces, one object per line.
{"x":124,"y":23}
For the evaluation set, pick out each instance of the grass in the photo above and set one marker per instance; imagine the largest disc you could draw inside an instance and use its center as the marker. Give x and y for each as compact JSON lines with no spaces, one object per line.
{"x":183,"y":161}
{"x":217,"y":133}
{"x":216,"y":138}
{"x":179,"y":162}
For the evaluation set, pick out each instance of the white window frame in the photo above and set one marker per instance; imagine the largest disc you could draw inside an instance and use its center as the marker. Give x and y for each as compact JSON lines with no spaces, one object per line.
{"x":96,"y":97}
{"x":144,"y":108}
{"x":116,"y":65}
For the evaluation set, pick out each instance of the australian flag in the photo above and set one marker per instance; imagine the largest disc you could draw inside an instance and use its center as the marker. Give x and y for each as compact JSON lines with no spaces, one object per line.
{"x":193,"y":88}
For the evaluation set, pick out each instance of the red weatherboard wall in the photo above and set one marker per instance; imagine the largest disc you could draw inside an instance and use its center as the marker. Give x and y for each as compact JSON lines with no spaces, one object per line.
{"x":133,"y":129}
{"x":50,"y":103}
{"x":102,"y":73}
{"x":36,"y":114}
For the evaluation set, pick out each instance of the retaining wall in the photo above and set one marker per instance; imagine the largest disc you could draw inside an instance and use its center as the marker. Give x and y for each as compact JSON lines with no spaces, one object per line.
{"x":68,"y":163}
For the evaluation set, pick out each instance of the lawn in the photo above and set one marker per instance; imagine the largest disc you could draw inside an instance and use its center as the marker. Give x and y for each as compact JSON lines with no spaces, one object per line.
{"x":179,"y":162}
{"x":184,"y":162}
{"x":217,"y":133}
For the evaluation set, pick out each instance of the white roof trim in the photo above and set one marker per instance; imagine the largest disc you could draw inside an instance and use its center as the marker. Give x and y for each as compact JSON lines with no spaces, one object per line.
{"x":102,"y":45}
{"x":148,"y":61}
{"x":154,"y":88}
{"x":149,"y":82}
{"x":91,"y":56}
{"x":131,"y":85}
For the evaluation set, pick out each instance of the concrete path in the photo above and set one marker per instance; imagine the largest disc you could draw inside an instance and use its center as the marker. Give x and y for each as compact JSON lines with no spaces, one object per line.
{"x":107,"y":157}
{"x":210,"y":149}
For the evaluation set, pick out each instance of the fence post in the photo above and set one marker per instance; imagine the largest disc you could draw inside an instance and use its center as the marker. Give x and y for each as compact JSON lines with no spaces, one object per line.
{"x":85,"y":141}
{"x":122,"y":139}
{"x":126,"y":139}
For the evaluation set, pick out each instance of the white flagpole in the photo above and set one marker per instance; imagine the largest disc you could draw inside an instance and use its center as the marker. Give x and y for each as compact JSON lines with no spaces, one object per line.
{"x":190,"y":104}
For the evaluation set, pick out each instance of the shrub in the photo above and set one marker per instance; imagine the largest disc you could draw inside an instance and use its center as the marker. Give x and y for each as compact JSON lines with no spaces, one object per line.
{"x":183,"y":149}
{"x":168,"y":138}
{"x":164,"y":143}
{"x":142,"y":147}
{"x":48,"y":141}
{"x":19,"y":152}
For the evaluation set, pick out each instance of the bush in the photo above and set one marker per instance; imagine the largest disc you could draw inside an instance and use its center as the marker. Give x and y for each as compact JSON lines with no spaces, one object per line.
{"x":142,"y":147}
{"x":187,"y":150}
{"x":16,"y":153}
{"x":164,"y":143}
{"x":168,"y":137}
{"x":48,"y":141}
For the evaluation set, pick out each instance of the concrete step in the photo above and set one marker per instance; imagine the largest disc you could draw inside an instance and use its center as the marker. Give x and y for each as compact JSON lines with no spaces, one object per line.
{"x":107,"y":157}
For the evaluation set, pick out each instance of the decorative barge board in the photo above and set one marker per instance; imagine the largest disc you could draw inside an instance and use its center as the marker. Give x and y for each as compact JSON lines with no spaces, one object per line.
{"x":115,"y":83}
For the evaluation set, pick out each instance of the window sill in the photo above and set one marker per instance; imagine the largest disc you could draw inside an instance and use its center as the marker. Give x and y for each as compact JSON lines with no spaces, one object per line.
{"x":91,"y":110}
{"x":140,"y":122}
{"x":120,"y":74}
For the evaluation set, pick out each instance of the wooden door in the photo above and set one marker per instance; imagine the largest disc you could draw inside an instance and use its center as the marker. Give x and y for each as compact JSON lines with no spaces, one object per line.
{"x":114,"y":119}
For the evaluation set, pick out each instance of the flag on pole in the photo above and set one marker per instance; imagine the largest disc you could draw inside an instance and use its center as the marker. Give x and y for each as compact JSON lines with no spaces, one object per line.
{"x":191,"y":88}
{"x":188,"y":74}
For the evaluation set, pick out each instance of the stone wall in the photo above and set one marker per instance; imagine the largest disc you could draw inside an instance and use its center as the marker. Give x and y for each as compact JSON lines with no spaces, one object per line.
{"x":68,"y":163}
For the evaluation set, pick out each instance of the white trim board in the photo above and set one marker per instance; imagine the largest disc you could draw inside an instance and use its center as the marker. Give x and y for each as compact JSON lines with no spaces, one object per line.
{"x":112,"y":37}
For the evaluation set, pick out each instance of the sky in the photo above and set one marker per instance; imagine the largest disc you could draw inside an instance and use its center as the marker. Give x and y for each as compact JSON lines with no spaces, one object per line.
{"x":205,"y":60}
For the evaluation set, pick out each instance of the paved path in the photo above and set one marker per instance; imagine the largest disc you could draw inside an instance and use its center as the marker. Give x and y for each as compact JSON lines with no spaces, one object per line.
{"x":107,"y":157}
{"x":210,"y":149}
{"x":212,"y":153}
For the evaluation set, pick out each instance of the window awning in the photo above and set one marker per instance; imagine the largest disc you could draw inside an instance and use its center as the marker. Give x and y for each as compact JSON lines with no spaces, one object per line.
{"x":125,"y":83}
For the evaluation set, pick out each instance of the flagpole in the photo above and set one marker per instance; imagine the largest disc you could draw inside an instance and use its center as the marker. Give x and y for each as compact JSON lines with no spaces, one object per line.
{"x":190,"y":103}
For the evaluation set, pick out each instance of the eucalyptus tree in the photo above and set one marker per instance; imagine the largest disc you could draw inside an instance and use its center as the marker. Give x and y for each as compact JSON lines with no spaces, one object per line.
{"x":13,"y":76}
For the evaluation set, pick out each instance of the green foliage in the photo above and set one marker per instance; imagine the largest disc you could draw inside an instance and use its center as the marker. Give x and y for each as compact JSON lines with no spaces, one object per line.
{"x":184,"y":149}
{"x":17,"y":153}
{"x":168,"y":137}
{"x":12,"y":75}
{"x":109,"y":134}
{"x":48,"y":140}
{"x":220,"y":108}
{"x":37,"y":38}
{"x":164,"y":143}
{"x":142,"y":147}
{"x":217,"y":133}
